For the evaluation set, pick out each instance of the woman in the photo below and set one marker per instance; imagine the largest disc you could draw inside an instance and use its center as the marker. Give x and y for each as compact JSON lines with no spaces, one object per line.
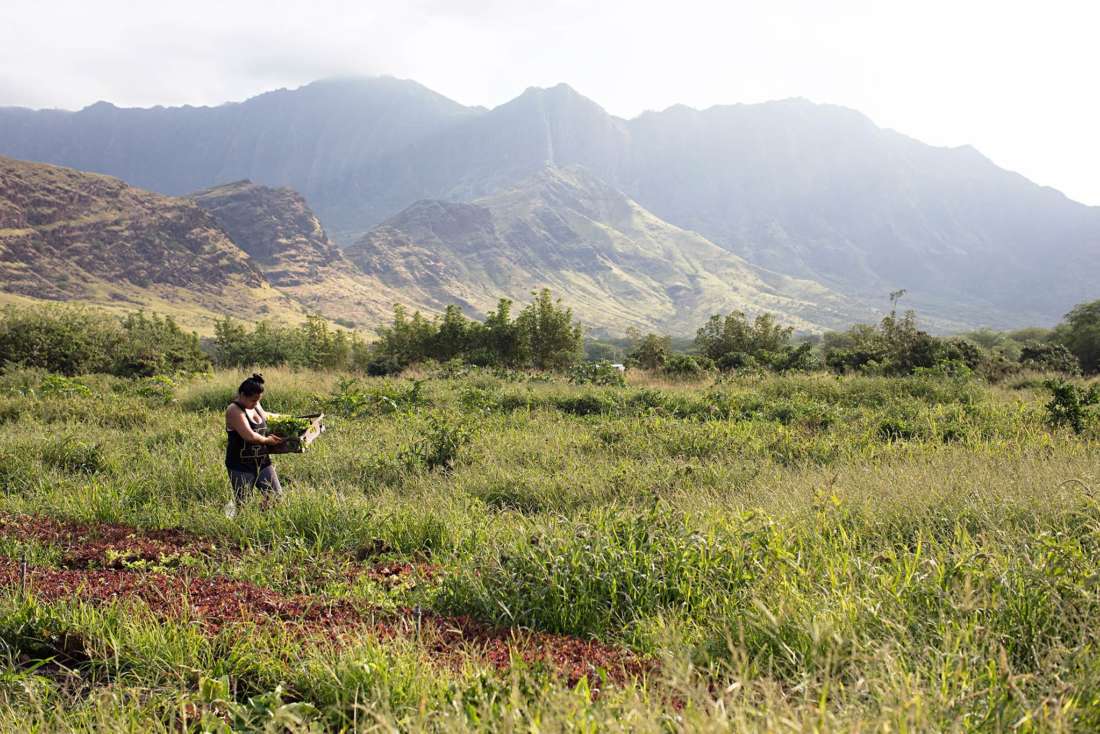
{"x":244,"y":418}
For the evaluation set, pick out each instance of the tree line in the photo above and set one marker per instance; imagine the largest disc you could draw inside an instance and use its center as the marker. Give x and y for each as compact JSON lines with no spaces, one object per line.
{"x":544,"y":335}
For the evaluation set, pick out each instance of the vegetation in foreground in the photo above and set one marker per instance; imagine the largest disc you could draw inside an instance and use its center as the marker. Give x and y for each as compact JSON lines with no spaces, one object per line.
{"x":754,"y":551}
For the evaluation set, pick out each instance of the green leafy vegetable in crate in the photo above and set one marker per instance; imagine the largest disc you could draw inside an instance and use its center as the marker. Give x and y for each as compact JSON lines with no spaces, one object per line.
{"x":287,"y":426}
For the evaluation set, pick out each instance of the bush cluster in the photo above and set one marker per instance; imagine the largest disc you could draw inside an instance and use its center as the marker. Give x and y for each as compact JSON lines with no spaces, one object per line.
{"x":543,"y":336}
{"x":76,"y":341}
{"x":311,"y":344}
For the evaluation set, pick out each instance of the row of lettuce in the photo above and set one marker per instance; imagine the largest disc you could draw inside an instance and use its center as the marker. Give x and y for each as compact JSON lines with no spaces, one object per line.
{"x":543,"y":336}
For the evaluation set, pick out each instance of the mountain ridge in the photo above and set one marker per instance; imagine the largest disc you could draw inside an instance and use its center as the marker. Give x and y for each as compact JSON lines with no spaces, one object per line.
{"x":811,"y":191}
{"x":70,"y":235}
{"x":616,"y":264}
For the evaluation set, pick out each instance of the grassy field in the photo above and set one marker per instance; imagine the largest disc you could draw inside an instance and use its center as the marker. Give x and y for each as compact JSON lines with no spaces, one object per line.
{"x":502,"y":552}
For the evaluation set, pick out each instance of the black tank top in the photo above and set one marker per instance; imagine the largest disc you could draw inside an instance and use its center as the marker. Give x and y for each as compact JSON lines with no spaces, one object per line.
{"x":236,"y":444}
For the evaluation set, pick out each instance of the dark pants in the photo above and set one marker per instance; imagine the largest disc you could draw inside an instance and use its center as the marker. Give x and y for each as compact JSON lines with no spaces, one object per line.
{"x":266,"y":480}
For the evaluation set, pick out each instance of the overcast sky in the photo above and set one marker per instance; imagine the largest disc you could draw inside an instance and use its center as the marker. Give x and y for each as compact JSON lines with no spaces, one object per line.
{"x":1016,"y":79}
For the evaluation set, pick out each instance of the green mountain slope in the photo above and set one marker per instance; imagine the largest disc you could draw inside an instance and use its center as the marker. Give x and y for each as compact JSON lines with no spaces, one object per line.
{"x":616,"y":264}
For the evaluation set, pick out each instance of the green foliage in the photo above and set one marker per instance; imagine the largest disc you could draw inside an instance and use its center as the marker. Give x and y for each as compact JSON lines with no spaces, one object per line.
{"x":287,"y":426}
{"x":75,"y":341}
{"x":543,"y":336}
{"x":683,"y":367}
{"x":155,"y":345}
{"x":69,"y":341}
{"x":596,"y":350}
{"x":59,"y":386}
{"x":71,"y":454}
{"x":898,"y":347}
{"x":733,"y":338}
{"x":312,"y":344}
{"x":548,"y":331}
{"x":352,"y":398}
{"x":733,"y":342}
{"x":1079,"y":332}
{"x":650,"y":352}
{"x":596,"y":373}
{"x":1070,"y":404}
{"x":1049,"y":357}
{"x":443,"y":438}
{"x":406,"y":340}
{"x":160,"y":388}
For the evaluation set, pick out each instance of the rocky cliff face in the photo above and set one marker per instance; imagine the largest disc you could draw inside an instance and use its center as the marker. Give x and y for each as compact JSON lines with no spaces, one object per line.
{"x":299,"y":138}
{"x":66,"y":234}
{"x":813,"y":191}
{"x":244,"y":250}
{"x":285,"y":239}
{"x":275,"y":227}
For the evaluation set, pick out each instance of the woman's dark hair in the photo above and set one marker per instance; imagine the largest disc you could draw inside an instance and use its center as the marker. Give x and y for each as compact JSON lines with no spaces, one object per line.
{"x":252,"y":386}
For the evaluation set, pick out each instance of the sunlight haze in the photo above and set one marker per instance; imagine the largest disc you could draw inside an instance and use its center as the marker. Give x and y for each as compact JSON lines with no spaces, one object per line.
{"x":1013,"y":79}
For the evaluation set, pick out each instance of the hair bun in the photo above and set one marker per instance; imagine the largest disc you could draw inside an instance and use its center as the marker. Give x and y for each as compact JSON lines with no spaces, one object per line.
{"x":257,"y":377}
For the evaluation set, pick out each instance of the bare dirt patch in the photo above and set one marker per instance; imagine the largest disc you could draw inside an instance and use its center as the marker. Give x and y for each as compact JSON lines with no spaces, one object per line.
{"x":111,"y":545}
{"x":86,"y":545}
{"x":216,"y":603}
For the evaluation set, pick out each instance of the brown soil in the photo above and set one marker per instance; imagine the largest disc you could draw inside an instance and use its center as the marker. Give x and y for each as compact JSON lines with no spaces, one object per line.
{"x":105,"y":544}
{"x":110,"y":545}
{"x":215,"y":603}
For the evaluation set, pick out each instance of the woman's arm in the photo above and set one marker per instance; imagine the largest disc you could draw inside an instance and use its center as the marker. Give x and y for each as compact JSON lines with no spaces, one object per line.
{"x":238,"y":421}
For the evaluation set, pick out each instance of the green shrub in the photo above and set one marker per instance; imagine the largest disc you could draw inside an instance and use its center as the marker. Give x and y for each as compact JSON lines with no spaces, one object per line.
{"x":1079,"y":332}
{"x":683,"y":367}
{"x":1071,"y":404}
{"x":53,"y":386}
{"x":1045,"y":357}
{"x":352,"y":398}
{"x":596,"y":373}
{"x":76,"y":341}
{"x":443,"y":438}
{"x":159,"y":388}
{"x":650,"y":352}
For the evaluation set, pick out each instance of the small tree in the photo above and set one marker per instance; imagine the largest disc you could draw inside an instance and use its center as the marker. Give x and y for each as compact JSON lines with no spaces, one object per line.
{"x":451,"y":335}
{"x":1049,"y":358}
{"x":895,"y":347}
{"x":553,"y":340}
{"x":230,"y":343}
{"x":651,"y":351}
{"x":406,"y":340}
{"x":733,"y":341}
{"x":1080,"y":334}
{"x":501,"y":342}
{"x":1071,"y":404}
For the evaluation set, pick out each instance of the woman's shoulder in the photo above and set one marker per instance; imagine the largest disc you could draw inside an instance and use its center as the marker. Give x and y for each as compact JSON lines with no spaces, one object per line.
{"x":233,"y":408}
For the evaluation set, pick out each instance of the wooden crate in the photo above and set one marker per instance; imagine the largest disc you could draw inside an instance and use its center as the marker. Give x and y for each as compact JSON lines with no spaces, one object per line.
{"x":292,"y":445}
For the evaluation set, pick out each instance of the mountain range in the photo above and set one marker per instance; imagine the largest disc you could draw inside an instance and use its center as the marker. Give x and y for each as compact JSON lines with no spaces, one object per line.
{"x":808,"y":210}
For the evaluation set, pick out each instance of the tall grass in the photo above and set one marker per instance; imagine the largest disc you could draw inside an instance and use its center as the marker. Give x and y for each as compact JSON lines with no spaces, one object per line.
{"x":797,"y":553}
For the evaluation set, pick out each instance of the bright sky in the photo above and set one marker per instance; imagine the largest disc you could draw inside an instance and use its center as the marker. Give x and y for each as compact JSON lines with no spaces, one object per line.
{"x":1017,"y":79}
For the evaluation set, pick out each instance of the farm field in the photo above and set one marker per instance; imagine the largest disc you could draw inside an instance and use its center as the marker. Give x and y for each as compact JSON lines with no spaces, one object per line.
{"x":466,"y":549}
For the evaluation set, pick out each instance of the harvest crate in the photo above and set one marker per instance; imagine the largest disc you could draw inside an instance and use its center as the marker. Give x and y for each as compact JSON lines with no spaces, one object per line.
{"x":293,"y":445}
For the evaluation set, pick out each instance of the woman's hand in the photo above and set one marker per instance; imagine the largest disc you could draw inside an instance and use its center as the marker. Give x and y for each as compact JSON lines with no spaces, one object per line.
{"x":274,"y":440}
